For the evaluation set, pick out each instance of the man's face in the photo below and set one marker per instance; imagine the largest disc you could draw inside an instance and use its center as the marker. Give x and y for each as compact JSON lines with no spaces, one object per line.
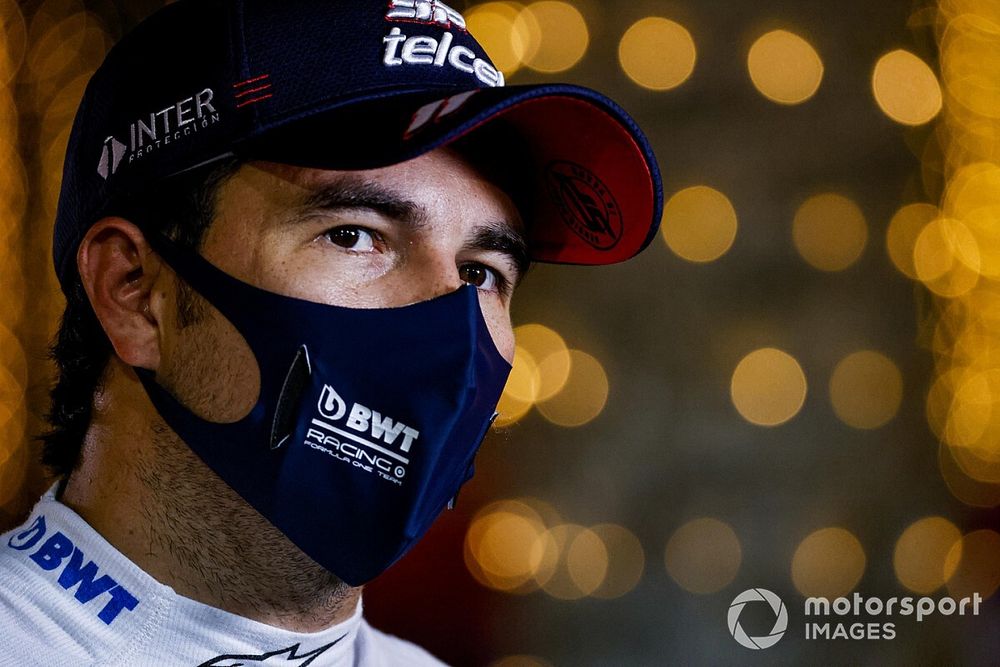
{"x":368,"y":239}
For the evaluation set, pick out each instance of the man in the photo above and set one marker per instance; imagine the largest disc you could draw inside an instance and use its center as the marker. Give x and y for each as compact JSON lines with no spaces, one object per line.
{"x":288,"y":235}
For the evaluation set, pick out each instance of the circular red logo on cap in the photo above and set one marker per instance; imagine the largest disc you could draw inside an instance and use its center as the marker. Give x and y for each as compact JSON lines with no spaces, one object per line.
{"x":586,"y":204}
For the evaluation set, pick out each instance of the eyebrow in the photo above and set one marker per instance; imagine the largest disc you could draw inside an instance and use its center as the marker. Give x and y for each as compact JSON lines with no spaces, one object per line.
{"x":354,"y":192}
{"x":501,"y":237}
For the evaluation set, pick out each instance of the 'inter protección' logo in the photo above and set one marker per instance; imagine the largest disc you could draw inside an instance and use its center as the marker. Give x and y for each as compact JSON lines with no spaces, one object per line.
{"x":780,"y":618}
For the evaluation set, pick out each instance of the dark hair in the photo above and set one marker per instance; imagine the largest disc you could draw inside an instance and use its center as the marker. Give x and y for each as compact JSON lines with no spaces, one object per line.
{"x":183,"y":207}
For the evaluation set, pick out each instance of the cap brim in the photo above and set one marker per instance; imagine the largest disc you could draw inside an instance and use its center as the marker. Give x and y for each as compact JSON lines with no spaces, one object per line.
{"x":593,"y":192}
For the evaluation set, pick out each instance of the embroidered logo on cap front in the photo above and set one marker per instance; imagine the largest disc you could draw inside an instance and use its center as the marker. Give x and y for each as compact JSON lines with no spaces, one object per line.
{"x":586,"y":204}
{"x":434,"y":112}
{"x":437,"y":51}
{"x":148,"y":134}
{"x":425,"y":11}
{"x":111,"y":157}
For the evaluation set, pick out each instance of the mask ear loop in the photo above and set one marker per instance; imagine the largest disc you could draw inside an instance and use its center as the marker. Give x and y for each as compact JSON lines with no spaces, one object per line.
{"x":200,"y":275}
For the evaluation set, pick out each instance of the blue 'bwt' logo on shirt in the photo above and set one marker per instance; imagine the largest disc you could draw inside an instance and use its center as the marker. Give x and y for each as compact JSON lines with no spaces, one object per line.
{"x":51,"y":555}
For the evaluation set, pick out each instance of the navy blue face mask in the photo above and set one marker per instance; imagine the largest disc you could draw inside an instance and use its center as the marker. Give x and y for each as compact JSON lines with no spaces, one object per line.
{"x":367,"y":422}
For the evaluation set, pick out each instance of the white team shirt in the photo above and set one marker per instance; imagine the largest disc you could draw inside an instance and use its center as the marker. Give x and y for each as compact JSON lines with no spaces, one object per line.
{"x":67,"y":597}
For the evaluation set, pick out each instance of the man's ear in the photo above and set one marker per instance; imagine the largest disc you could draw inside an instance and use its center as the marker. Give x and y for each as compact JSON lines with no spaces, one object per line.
{"x":119,"y":270}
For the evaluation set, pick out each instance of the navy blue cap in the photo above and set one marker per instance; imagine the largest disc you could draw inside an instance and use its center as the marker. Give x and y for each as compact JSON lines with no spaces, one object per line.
{"x":348,"y":84}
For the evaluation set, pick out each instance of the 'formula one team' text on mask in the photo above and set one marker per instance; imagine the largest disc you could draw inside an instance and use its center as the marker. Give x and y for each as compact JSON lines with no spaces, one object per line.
{"x":367,"y":422}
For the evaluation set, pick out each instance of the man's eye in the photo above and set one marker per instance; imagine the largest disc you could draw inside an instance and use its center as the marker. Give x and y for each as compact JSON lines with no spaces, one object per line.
{"x":355,"y":239}
{"x":480,"y":276}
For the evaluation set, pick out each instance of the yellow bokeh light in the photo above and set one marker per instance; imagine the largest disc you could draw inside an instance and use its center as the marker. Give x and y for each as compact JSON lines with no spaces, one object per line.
{"x":77,"y":43}
{"x":921,"y":558}
{"x":768,"y":387}
{"x":828,"y":563}
{"x":587,"y":561}
{"x":970,"y":54}
{"x":554,"y":575}
{"x":501,"y":35}
{"x":60,"y":112}
{"x":521,"y":389}
{"x":522,"y":383}
{"x":626,"y":561}
{"x":543,"y":510}
{"x":703,"y":556}
{"x":940,"y":396}
{"x":699,"y":224}
{"x":830,"y":232}
{"x":564,"y":35}
{"x":970,"y":345}
{"x":957,"y":256}
{"x":979,"y":178}
{"x":12,"y":393}
{"x":13,"y":361}
{"x":553,"y":361}
{"x":56,"y":49}
{"x":979,"y":464}
{"x":946,"y":257}
{"x":942,"y":243}
{"x":970,"y":491}
{"x":983,"y":307}
{"x":657,"y":53}
{"x":866,"y":390}
{"x":9,"y":122}
{"x":49,"y":14}
{"x":14,"y":35}
{"x":505,"y":547}
{"x":973,"y":197}
{"x":973,"y":426}
{"x":14,"y":461}
{"x":987,"y":10}
{"x":784,"y":67}
{"x":970,"y":138}
{"x":52,"y":162}
{"x":973,"y":421}
{"x":584,"y":395}
{"x":976,"y":561}
{"x":15,"y":454}
{"x":502,"y":546}
{"x":905,"y":88}
{"x":553,"y":373}
{"x":904,"y":229}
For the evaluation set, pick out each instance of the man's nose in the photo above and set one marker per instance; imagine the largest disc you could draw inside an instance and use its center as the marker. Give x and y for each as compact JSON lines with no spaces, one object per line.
{"x":433,"y":275}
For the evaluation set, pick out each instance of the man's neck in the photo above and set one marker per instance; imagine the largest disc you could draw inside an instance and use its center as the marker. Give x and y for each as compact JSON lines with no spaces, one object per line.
{"x":152,"y":498}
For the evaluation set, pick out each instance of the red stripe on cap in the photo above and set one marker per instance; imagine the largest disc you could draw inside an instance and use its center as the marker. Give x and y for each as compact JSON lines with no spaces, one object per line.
{"x":254,"y":101}
{"x":249,"y":81}
{"x":251,"y":91}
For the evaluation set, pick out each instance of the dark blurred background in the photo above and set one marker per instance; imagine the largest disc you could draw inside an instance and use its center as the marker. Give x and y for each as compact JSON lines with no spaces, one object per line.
{"x":797,"y":386}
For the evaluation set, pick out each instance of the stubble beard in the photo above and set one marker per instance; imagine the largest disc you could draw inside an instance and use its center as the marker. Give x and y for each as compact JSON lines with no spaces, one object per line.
{"x":221,"y":545}
{"x":218,"y":542}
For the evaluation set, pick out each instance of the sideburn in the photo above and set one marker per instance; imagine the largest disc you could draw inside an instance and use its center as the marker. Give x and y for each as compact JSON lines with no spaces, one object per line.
{"x":190,"y":306}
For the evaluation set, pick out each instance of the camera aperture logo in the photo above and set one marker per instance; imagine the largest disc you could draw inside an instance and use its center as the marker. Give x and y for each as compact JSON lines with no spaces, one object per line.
{"x":780,"y":618}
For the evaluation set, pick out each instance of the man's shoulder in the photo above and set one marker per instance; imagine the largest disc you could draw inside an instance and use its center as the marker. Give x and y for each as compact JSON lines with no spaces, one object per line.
{"x":392,"y":650}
